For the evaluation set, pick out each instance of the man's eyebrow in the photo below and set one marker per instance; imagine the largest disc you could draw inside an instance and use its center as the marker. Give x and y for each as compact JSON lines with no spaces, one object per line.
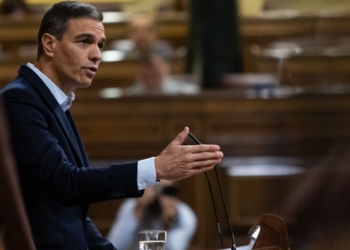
{"x":87,"y":35}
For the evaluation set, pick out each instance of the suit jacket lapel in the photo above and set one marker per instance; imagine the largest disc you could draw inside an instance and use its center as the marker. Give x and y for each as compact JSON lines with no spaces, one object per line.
{"x":46,"y":94}
{"x":83,"y":155}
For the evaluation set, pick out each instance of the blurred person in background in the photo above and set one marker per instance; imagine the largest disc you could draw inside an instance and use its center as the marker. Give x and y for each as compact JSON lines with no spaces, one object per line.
{"x":158,"y":209}
{"x":142,"y":34}
{"x":16,"y":9}
{"x":154,"y":77}
{"x":150,"y":6}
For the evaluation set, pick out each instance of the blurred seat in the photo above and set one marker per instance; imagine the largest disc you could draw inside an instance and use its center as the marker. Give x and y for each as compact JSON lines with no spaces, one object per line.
{"x":249,"y":81}
{"x":301,"y":65}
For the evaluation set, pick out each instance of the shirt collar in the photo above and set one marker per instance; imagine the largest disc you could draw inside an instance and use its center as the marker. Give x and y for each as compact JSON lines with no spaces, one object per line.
{"x":65,"y":101}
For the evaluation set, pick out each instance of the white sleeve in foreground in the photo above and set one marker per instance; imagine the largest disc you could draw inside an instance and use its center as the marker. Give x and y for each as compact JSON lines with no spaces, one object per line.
{"x":146,"y":173}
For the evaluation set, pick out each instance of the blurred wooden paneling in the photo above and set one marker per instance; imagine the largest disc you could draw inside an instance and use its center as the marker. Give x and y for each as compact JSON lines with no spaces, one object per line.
{"x":275,"y":122}
{"x":110,"y":74}
{"x":318,"y":65}
{"x":256,"y":32}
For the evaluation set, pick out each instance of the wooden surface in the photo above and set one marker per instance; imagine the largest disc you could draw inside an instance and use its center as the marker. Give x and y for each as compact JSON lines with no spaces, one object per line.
{"x":284,"y":122}
{"x":175,"y":26}
{"x":278,"y":121}
{"x":273,"y":233}
{"x":307,"y":65}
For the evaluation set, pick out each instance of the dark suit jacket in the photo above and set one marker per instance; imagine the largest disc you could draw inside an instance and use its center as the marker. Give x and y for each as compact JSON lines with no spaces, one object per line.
{"x":56,"y":180}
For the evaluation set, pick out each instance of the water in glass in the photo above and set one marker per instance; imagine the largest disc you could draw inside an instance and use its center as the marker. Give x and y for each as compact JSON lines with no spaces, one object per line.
{"x":152,"y":245}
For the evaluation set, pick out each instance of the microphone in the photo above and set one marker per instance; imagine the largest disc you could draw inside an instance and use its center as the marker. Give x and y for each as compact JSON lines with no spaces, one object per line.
{"x":233,"y":246}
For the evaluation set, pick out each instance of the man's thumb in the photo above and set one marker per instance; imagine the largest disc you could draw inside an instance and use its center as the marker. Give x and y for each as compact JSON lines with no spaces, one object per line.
{"x":180,"y":138}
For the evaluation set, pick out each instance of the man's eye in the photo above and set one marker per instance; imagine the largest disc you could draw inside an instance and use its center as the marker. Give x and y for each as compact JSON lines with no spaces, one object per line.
{"x":85,"y":41}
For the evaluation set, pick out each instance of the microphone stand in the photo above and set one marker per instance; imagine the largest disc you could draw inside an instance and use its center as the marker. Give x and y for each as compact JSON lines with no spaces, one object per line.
{"x":233,"y":246}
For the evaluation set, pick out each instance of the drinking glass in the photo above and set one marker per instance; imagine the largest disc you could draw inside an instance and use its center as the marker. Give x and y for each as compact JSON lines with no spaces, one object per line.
{"x":152,"y":240}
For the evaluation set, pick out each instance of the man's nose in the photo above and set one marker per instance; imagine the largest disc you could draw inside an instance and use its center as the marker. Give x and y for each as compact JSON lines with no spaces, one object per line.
{"x":96,"y":54}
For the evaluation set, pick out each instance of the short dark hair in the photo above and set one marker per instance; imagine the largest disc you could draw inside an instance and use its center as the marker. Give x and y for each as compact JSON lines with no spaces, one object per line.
{"x":56,"y":19}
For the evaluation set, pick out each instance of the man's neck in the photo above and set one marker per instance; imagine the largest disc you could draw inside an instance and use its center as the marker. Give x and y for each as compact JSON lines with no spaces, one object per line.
{"x":46,"y":68}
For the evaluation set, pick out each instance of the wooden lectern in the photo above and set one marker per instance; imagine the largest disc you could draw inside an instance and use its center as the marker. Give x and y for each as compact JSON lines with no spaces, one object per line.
{"x":268,"y":233}
{"x":272,"y":235}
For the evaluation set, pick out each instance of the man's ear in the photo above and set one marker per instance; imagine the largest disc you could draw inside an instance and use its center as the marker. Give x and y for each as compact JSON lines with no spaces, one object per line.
{"x":49,"y":44}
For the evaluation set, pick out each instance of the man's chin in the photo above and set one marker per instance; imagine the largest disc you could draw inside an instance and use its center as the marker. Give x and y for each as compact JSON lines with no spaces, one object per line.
{"x":84,"y":85}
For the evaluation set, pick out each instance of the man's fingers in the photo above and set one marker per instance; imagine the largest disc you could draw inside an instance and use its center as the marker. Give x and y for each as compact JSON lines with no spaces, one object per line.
{"x":197,"y":169}
{"x":201,"y":148}
{"x":197,"y":165}
{"x":203,"y":156}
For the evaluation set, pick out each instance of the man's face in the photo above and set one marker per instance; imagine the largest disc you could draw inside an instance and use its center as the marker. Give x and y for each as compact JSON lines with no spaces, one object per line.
{"x":142,"y":32}
{"x":77,"y":57}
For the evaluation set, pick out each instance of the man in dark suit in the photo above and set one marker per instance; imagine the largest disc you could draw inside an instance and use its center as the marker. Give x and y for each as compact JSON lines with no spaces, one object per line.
{"x":57,"y":182}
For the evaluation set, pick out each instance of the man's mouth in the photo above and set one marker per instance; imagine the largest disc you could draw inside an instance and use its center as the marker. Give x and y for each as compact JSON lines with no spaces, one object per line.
{"x":91,"y":71}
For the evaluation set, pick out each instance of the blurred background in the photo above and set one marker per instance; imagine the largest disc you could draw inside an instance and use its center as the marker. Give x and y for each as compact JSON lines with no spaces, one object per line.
{"x":267,"y":80}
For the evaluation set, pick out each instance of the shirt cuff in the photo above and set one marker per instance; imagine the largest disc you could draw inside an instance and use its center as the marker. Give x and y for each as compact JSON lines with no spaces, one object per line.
{"x":146,"y":173}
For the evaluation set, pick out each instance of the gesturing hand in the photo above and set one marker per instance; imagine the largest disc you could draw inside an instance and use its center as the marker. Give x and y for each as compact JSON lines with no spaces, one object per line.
{"x":178,"y":161}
